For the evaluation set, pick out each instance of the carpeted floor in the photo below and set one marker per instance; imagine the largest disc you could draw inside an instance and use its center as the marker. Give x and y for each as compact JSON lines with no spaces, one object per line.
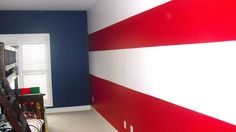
{"x":83,"y":121}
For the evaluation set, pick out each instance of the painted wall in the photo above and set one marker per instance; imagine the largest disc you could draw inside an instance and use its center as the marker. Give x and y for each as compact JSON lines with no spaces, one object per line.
{"x":167,"y":69}
{"x":69,"y":50}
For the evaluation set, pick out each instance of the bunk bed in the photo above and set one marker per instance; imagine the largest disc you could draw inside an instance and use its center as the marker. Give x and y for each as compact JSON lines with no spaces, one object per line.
{"x":12,"y":116}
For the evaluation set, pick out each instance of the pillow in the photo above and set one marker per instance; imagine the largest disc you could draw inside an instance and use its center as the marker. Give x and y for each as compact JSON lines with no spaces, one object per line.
{"x":35,"y":124}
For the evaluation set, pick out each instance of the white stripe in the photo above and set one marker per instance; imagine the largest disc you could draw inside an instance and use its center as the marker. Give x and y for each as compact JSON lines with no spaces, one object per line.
{"x":107,"y":12}
{"x":200,"y":77}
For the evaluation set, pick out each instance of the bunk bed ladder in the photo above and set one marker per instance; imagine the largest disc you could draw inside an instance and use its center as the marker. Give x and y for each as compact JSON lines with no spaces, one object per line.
{"x":8,"y":111}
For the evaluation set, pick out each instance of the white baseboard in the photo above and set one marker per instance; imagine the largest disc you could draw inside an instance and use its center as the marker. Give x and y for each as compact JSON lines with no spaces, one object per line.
{"x":68,"y":109}
{"x":103,"y":122}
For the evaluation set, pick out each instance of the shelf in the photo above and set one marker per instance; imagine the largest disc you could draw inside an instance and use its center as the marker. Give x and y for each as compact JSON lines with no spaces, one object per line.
{"x":6,"y":47}
{"x":8,"y":67}
{"x":12,"y":77}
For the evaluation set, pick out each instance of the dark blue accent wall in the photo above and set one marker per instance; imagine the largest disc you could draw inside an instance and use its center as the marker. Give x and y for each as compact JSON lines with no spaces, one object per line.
{"x":69,"y":49}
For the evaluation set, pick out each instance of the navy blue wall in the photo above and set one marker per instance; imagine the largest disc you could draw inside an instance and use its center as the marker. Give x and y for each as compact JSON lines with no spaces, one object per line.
{"x":69,"y":49}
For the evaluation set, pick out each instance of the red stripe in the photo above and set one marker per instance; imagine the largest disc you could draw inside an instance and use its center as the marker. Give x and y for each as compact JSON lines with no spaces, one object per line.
{"x":176,"y":22}
{"x":148,"y":114}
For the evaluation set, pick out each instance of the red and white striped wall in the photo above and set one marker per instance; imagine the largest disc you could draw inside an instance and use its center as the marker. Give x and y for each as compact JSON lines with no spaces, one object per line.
{"x":164,"y":66}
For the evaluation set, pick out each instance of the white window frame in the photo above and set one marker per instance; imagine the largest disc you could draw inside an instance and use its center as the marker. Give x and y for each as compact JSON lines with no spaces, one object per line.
{"x":22,"y":39}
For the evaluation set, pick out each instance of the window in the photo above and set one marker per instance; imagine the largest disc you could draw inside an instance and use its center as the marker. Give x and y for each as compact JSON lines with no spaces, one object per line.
{"x":35,"y":67}
{"x":33,"y":62}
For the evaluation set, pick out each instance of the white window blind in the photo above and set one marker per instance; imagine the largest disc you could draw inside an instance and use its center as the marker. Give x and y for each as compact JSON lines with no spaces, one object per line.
{"x":35,"y":67}
{"x":34,"y":57}
{"x":37,"y":79}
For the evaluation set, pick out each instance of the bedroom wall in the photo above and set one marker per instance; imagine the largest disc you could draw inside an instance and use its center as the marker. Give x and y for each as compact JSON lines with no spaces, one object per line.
{"x":69,"y":50}
{"x":169,"y":69}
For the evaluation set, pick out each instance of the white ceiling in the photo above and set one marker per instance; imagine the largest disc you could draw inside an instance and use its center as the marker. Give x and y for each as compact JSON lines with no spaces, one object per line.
{"x":46,"y":4}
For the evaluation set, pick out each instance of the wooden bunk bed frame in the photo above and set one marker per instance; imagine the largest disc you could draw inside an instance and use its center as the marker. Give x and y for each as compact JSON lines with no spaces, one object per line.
{"x":9,"y":100}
